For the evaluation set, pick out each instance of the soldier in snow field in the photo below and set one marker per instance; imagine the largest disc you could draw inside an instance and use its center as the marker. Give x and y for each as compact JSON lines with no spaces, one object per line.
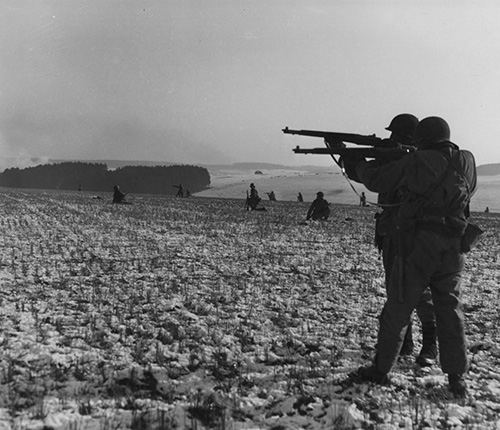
{"x":180,"y":190}
{"x":319,"y":209}
{"x":362,"y":199}
{"x":402,"y":128}
{"x":435,"y":185}
{"x":118,"y":196}
{"x":253,"y":200}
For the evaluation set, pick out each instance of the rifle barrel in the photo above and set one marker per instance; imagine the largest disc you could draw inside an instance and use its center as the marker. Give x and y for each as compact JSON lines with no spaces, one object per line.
{"x":334,"y":138}
{"x":392,"y":153}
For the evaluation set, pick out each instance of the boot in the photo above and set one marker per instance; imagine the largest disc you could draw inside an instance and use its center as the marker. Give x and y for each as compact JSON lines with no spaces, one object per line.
{"x":457,"y":385}
{"x":428,"y":353}
{"x":407,"y":348}
{"x":372,"y":374}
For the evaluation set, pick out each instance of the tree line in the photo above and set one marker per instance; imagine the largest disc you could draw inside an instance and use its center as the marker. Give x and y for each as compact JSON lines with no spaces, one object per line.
{"x":97,"y":177}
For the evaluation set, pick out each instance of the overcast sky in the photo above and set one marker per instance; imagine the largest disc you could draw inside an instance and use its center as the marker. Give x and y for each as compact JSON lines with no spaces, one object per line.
{"x":215,"y":81}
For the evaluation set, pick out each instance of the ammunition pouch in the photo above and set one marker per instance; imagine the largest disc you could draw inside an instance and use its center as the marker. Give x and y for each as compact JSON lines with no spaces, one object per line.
{"x":384,"y":227}
{"x":470,"y":237}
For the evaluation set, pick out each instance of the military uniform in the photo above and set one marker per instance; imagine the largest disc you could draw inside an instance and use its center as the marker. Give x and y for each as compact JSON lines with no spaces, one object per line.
{"x":429,"y":222}
{"x":319,"y":208}
{"x":386,"y":241}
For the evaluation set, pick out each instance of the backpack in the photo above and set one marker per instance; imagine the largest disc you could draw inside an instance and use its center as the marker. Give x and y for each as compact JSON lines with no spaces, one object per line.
{"x":444,"y":205}
{"x":452,"y":193}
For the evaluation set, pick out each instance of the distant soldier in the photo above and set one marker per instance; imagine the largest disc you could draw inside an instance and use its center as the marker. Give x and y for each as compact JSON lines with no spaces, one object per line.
{"x":272,"y":196}
{"x":299,"y":197}
{"x":253,"y":200}
{"x":180,"y":190}
{"x":118,"y":196}
{"x":362,"y":199}
{"x":487,"y":210}
{"x":188,"y":193}
{"x":319,"y":209}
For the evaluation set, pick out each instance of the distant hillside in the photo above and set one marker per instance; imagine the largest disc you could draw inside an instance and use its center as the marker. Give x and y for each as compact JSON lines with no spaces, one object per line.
{"x":489,"y":169}
{"x":251,"y":165}
{"x":97,"y":177}
{"x":115,"y":164}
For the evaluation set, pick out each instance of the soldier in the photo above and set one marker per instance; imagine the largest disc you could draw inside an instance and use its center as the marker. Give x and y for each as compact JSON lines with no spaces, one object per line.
{"x":402,"y":128}
{"x":253,"y":199}
{"x":319,"y":209}
{"x":435,"y":185}
{"x":118,"y":196}
{"x":362,"y":199}
{"x":272,"y":196}
{"x":180,"y":190}
{"x":299,"y":197}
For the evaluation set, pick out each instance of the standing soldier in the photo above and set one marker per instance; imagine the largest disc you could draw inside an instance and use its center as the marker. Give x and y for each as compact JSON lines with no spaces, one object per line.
{"x":362,"y":199}
{"x":435,"y":185}
{"x":402,"y":128}
{"x":180,"y":190}
{"x":253,"y":199}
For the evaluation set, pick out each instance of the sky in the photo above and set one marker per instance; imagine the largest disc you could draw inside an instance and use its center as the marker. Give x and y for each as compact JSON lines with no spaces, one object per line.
{"x":206,"y":82}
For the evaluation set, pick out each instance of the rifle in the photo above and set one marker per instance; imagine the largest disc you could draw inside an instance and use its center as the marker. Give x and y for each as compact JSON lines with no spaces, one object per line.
{"x":374,"y":147}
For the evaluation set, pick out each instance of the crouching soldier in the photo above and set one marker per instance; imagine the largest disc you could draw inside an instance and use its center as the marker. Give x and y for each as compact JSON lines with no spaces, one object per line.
{"x":319,"y":209}
{"x":118,"y":196}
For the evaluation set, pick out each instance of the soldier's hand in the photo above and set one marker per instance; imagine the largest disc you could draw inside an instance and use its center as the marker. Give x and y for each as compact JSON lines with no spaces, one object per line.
{"x":349,"y":164}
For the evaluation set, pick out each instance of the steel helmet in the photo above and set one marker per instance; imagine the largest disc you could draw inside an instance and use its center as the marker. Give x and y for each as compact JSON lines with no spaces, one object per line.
{"x":432,"y":129}
{"x":403,"y":124}
{"x":320,"y":194}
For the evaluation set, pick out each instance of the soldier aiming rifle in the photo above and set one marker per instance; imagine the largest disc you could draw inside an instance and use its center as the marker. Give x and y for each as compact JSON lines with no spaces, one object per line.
{"x":431,"y":225}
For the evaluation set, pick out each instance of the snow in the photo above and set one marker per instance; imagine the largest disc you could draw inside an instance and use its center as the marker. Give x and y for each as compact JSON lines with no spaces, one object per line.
{"x":171,"y":308}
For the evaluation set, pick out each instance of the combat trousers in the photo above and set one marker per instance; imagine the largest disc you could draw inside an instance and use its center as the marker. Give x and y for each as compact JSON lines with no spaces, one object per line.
{"x":435,"y":260}
{"x":424,"y":307}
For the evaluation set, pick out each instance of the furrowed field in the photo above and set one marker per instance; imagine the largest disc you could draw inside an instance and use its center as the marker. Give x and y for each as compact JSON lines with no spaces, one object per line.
{"x":193,"y":313}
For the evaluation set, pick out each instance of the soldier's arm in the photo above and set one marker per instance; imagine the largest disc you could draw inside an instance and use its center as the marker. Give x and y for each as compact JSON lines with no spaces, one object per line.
{"x":470,"y":170}
{"x":311,"y":208}
{"x":382,"y":178}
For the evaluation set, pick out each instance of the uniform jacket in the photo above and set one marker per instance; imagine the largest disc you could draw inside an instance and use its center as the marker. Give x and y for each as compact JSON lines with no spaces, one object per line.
{"x":318,"y":205}
{"x":422,"y":180}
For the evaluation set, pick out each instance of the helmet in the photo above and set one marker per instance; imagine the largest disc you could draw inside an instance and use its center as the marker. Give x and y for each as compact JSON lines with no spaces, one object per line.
{"x":403,"y":124}
{"x":320,"y":194}
{"x":432,"y":129}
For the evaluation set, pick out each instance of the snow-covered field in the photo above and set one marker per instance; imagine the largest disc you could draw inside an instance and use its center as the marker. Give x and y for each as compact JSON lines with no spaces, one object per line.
{"x":193,"y":313}
{"x":286,"y":184}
